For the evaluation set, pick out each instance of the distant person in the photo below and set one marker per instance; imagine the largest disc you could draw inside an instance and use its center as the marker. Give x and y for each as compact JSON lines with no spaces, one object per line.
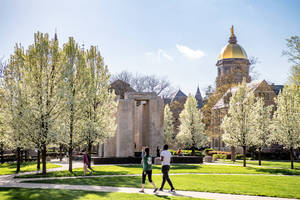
{"x":165,"y":157}
{"x":85,"y":163}
{"x":179,"y":153}
{"x":157,"y":151}
{"x":147,"y":170}
{"x":90,"y":161}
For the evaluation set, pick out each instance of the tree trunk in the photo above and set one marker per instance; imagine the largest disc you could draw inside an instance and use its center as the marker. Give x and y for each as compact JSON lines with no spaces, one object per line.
{"x":18,"y":159}
{"x":90,"y":149}
{"x":259,"y":156}
{"x":232,"y":153}
{"x":219,"y":140}
{"x":70,"y":159}
{"x":44,"y":157}
{"x":60,"y":152}
{"x":71,"y":134}
{"x":21,"y":155}
{"x":102,"y":153}
{"x":26,"y":155}
{"x":292,"y":157}
{"x":193,"y":151}
{"x":2,"y":153}
{"x":38,"y":163}
{"x":244,"y":155}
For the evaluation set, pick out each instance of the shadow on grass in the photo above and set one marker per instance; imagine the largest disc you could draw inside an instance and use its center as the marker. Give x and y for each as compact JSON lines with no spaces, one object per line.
{"x":42,"y":194}
{"x":276,"y":171}
{"x":134,"y":181}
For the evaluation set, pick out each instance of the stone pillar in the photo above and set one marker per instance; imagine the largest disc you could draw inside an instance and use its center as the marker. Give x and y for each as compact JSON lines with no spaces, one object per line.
{"x":156,"y":130}
{"x":138,"y":128}
{"x":126,"y":128}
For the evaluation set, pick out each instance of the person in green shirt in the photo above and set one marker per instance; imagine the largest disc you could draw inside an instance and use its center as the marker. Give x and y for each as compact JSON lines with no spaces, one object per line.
{"x":147,"y":170}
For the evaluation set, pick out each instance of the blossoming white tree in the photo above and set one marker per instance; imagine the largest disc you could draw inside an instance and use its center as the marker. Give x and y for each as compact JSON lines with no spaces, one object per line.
{"x":286,"y":120}
{"x":99,"y":105}
{"x":260,"y":121}
{"x":236,"y":124}
{"x":168,"y":126}
{"x":191,"y":129}
{"x":15,"y":110}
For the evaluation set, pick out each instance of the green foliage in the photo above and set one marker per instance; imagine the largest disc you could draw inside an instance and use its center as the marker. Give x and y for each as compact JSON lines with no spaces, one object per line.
{"x":219,"y":156}
{"x":187,"y":152}
{"x":207,"y":150}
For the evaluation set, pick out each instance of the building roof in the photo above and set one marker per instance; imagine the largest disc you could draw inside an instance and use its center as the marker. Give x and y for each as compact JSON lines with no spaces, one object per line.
{"x":222,"y":103}
{"x":277,"y":88}
{"x":178,"y":95}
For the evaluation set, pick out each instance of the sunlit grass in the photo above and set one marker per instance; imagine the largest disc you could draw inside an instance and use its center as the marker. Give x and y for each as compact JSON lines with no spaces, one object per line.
{"x":274,"y":186}
{"x":10,"y":168}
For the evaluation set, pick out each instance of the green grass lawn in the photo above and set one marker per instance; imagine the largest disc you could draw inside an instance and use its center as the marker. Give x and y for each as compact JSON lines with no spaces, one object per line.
{"x":50,"y":194}
{"x":274,"y":164}
{"x":180,"y":168}
{"x":10,"y":168}
{"x":274,"y":186}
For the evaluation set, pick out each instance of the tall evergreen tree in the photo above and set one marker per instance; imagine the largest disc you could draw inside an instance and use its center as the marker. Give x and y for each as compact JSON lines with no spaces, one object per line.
{"x":191,"y":129}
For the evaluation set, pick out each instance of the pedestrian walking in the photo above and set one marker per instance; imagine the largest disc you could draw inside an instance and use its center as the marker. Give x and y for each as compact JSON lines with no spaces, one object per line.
{"x":147,"y":170}
{"x":165,"y":157}
{"x":85,"y":163}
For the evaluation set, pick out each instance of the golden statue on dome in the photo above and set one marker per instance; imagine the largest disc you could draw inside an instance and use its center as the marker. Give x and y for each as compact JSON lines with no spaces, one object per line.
{"x":232,"y":31}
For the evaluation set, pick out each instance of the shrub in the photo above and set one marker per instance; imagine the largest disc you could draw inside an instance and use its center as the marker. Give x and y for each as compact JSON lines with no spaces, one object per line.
{"x":187,"y":152}
{"x":241,"y":157}
{"x":228,"y":154}
{"x":219,"y":156}
{"x":206,"y":151}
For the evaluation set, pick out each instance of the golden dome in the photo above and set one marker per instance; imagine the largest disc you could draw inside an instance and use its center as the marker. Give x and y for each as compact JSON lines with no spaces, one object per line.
{"x":232,"y":51}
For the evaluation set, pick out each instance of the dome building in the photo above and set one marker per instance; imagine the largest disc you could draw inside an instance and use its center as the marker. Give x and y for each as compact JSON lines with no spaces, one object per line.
{"x":233,"y":64}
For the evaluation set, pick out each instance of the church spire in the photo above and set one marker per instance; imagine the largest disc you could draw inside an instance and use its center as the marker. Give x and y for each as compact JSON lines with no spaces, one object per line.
{"x":198,"y":97}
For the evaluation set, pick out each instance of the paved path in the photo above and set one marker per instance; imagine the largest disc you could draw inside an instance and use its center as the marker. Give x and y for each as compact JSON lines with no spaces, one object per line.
{"x":10,"y":181}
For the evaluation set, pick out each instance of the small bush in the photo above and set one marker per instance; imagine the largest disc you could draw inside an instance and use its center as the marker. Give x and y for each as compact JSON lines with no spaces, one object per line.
{"x":206,"y":151}
{"x":241,"y":157}
{"x":186,"y":152}
{"x":219,"y":156}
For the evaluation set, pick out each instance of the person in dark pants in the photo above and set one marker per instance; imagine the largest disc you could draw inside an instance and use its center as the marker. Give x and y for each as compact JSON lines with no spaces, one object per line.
{"x":165,"y":157}
{"x":147,"y":170}
{"x":85,"y":163}
{"x":89,"y":161}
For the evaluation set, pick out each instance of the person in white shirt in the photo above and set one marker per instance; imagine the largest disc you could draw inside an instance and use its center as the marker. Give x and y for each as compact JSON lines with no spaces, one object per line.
{"x":165,"y":157}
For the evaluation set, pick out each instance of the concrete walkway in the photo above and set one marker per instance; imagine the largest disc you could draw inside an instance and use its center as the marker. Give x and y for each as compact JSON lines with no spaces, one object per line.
{"x":10,"y":181}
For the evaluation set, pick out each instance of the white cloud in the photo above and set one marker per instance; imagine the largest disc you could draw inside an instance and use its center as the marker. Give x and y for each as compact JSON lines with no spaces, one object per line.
{"x":190,"y":53}
{"x":160,"y":54}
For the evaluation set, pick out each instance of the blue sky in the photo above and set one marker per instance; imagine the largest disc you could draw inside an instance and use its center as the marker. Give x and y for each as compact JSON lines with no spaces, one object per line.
{"x":176,"y":39}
